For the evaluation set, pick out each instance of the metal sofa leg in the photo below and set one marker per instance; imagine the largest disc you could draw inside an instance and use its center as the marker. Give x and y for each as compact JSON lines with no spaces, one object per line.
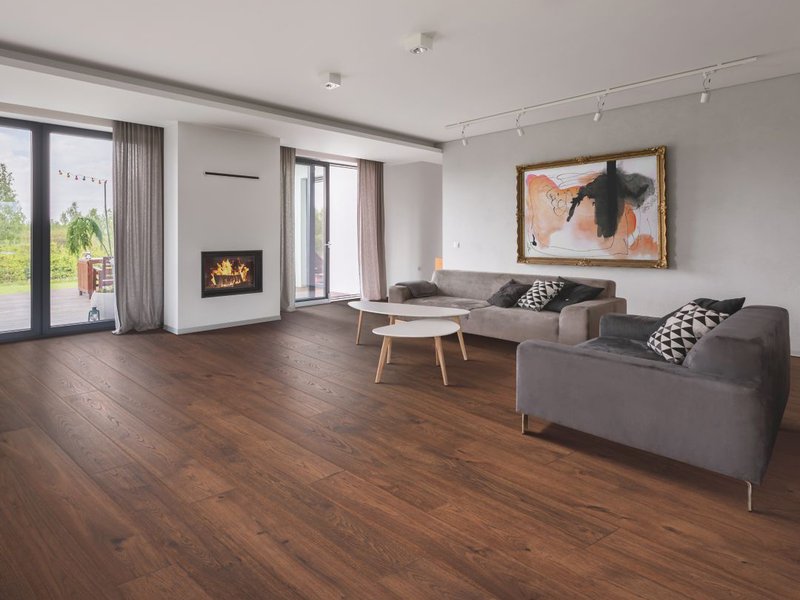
{"x":524,"y":424}
{"x":749,"y":496}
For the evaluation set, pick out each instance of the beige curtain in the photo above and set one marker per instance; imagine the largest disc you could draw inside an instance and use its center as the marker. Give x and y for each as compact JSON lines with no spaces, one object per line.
{"x":138,"y":180}
{"x":287,"y":229}
{"x":371,"y":252}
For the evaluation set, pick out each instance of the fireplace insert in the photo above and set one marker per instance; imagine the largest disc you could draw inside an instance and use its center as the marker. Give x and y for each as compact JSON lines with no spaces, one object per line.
{"x":226,"y":273}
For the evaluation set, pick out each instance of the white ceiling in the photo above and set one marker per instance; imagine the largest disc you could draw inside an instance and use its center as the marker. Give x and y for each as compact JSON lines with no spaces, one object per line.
{"x":488,"y":56}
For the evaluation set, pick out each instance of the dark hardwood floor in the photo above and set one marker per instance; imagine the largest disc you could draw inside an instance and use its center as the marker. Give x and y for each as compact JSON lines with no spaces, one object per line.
{"x":262,"y":462}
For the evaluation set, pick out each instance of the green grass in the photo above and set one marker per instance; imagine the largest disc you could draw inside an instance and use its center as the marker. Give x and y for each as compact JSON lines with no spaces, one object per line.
{"x":20,"y":287}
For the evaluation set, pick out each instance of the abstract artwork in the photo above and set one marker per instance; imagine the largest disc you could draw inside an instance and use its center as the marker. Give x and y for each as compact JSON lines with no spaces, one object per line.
{"x":600,"y":210}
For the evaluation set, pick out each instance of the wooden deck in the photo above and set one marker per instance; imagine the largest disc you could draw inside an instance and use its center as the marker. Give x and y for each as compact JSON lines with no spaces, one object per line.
{"x":262,"y":462}
{"x":66,"y":307}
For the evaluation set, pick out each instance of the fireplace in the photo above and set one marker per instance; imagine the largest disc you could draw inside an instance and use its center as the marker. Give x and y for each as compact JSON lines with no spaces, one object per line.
{"x":227,"y":273}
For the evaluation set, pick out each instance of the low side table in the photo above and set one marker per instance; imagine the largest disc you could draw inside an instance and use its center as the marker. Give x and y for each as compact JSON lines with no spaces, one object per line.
{"x":424,"y":328}
{"x":398,"y":311}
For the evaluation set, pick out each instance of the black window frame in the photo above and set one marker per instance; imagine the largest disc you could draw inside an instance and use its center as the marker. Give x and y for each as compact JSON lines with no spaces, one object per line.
{"x":40,"y":232}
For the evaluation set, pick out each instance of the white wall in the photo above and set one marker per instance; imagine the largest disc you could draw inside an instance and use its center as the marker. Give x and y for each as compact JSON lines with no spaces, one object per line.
{"x":219,"y":213}
{"x":733,"y":195}
{"x":413,"y":220}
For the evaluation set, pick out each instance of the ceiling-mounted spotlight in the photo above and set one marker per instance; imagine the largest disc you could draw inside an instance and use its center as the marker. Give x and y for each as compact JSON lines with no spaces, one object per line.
{"x":706,"y":93}
{"x":331,"y":81}
{"x":601,"y":102}
{"x":520,"y":130}
{"x":464,"y":140}
{"x":419,"y":43}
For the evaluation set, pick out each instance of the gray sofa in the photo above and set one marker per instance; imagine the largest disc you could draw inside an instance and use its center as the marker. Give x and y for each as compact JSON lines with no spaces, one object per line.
{"x":720,"y":410}
{"x":471,"y":289}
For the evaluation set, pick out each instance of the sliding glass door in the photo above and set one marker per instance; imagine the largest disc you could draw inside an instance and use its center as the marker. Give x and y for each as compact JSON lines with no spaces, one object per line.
{"x":311,"y":231}
{"x":326,"y":235}
{"x":56,"y":230}
{"x":344,"y":280}
{"x":81,"y":229}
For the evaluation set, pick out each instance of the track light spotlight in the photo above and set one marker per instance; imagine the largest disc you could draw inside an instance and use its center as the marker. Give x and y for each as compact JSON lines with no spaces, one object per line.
{"x":520,"y":130}
{"x":464,"y":140}
{"x":705,"y":96}
{"x":601,"y":102}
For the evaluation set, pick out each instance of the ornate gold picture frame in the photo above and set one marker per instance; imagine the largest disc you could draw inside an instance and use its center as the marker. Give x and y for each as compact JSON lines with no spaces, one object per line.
{"x":608,"y":210}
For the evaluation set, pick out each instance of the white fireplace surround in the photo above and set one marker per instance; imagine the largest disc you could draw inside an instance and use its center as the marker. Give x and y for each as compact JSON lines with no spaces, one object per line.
{"x":203,"y":212}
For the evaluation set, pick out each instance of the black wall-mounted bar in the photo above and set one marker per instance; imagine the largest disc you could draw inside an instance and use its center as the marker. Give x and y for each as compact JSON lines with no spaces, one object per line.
{"x":232,"y":175}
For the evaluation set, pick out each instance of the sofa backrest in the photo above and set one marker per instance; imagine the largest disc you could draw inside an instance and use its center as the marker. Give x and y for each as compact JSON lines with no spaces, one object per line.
{"x":480,"y":285}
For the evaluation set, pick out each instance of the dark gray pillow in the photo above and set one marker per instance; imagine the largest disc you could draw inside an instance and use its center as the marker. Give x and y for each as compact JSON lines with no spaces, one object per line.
{"x":729,"y":307}
{"x":420,"y":289}
{"x":572,"y":293}
{"x":509,"y":294}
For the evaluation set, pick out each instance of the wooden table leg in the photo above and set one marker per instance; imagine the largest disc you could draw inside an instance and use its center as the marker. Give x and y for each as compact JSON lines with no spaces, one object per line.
{"x":461,"y":338}
{"x":358,"y":330}
{"x":437,"y":341}
{"x":389,"y":351}
{"x":382,"y":359}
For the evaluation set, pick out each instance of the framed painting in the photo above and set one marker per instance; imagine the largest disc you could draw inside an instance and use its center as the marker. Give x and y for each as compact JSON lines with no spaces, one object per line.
{"x":605,"y":210}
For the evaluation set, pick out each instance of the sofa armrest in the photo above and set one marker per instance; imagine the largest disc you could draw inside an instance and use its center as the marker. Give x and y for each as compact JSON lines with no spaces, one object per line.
{"x":580,"y":322}
{"x":632,"y":327}
{"x":698,"y":418}
{"x":399,"y":294}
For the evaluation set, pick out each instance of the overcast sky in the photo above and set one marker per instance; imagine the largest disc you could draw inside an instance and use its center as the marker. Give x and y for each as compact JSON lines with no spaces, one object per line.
{"x":70,"y":153}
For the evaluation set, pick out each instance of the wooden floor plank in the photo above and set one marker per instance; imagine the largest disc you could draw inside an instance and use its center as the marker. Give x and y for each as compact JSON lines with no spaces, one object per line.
{"x":167,"y":584}
{"x":261,"y":461}
{"x":106,"y":533}
{"x":178,"y":470}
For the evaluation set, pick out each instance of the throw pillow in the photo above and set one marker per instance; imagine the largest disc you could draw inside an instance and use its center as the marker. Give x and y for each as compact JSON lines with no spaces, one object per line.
{"x":680,"y":333}
{"x":541,"y":293}
{"x":420,"y":289}
{"x":572,"y":293}
{"x":509,"y":294}
{"x":726,"y":306}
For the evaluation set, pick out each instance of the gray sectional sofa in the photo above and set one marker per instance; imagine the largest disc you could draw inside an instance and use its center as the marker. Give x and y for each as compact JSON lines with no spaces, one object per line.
{"x":471,"y":289}
{"x":719,"y":410}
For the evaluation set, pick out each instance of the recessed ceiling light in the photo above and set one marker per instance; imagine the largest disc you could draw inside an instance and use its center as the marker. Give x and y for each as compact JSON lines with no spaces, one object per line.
{"x":331,"y":81}
{"x":419,"y":43}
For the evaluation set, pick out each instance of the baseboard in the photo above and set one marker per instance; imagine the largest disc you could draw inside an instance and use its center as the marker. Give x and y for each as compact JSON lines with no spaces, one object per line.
{"x":185,"y":330}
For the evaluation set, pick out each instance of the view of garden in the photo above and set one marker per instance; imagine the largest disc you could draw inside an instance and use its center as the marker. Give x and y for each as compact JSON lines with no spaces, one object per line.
{"x":74,"y":234}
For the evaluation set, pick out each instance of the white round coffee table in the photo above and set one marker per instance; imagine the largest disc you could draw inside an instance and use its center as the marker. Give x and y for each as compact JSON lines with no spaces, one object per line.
{"x":424,"y":328}
{"x":400,"y":310}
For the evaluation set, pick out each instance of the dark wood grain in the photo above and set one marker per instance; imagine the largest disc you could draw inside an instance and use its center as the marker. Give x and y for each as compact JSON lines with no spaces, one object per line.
{"x":262,"y":462}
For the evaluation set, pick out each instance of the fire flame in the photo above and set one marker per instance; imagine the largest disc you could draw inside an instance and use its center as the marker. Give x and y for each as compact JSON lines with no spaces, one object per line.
{"x":225,"y":274}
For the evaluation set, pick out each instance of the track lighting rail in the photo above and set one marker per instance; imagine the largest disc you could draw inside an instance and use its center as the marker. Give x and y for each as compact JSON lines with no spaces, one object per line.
{"x":704,"y":71}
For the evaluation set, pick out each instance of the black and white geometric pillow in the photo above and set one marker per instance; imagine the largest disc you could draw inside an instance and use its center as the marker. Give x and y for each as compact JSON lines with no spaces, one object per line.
{"x":680,"y":333}
{"x":541,"y":293}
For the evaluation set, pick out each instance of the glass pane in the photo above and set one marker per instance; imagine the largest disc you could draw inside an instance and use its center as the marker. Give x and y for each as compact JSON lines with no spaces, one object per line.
{"x":15,"y":229}
{"x":310,"y":232}
{"x":343,"y":257}
{"x":81,"y":230}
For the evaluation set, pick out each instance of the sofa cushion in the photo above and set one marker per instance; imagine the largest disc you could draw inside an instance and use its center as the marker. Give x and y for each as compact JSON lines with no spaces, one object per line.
{"x":513,"y":324}
{"x":541,"y":293}
{"x":680,"y":333}
{"x":479,"y":284}
{"x":509,"y":294}
{"x":449,"y":302}
{"x":622,"y":346}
